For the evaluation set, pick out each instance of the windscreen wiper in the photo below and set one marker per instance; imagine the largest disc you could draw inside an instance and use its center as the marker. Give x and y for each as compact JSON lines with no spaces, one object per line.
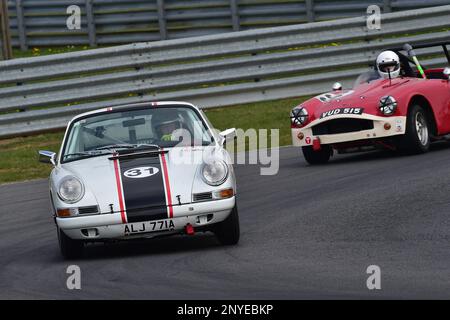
{"x":85,"y":154}
{"x":116,"y":146}
{"x":135,"y":153}
{"x":127,"y":146}
{"x":147,"y":145}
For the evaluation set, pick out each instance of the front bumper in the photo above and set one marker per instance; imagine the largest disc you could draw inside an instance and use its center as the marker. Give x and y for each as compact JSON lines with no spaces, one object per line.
{"x":109,"y":226}
{"x":302,"y":137}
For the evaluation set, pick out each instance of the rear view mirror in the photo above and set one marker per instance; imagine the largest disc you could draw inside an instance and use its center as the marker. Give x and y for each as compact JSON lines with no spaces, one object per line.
{"x":47,"y":157}
{"x":133,"y":122}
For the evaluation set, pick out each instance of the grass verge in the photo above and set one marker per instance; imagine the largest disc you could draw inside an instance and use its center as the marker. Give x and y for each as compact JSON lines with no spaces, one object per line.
{"x":44,"y":51}
{"x":19,"y":159}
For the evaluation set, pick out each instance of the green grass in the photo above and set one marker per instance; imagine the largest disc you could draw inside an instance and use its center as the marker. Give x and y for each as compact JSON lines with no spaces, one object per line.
{"x":19,"y":159}
{"x":44,"y":51}
{"x":19,"y":156}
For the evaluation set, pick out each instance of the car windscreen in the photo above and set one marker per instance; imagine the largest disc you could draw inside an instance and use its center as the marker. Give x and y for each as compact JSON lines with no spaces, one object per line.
{"x":160,"y":127}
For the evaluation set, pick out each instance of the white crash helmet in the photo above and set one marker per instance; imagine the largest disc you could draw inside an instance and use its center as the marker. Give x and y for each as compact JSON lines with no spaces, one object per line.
{"x":165,"y":118}
{"x":388,"y":62}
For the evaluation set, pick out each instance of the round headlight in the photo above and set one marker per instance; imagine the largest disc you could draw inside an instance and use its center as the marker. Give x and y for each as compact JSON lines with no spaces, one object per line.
{"x":299,"y":116}
{"x":215,"y":173}
{"x":70,"y":189}
{"x":388,"y":105}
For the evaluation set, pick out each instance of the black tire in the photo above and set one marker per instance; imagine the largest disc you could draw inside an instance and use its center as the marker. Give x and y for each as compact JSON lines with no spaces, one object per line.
{"x":413,"y":141}
{"x":317,"y":157}
{"x":70,"y":249}
{"x":228,"y":231}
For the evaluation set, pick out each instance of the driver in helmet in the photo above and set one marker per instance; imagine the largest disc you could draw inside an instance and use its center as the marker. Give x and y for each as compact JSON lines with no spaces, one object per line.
{"x":388,"y":65}
{"x":165,"y":122}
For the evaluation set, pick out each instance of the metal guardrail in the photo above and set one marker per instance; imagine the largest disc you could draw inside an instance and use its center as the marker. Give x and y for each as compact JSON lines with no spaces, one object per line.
{"x":106,"y":22}
{"x":210,"y":71}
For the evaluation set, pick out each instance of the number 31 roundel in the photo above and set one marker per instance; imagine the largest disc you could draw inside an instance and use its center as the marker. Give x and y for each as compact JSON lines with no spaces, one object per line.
{"x":141,"y":172}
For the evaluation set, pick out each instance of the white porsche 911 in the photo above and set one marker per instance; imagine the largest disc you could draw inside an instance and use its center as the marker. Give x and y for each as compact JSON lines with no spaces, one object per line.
{"x":140,"y":171}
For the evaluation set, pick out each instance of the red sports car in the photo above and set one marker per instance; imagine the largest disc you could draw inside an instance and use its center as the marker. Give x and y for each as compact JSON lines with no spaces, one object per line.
{"x":403,"y":113}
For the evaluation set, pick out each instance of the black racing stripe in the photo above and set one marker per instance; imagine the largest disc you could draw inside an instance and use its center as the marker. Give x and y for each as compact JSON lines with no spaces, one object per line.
{"x":145,"y":198}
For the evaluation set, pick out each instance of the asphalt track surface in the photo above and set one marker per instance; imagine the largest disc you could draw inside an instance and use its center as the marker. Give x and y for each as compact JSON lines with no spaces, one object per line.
{"x":307,"y":233}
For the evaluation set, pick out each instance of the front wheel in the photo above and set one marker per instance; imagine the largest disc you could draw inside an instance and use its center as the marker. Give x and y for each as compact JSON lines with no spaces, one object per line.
{"x":227,"y":231}
{"x":417,"y":136}
{"x":317,"y":157}
{"x":70,"y":249}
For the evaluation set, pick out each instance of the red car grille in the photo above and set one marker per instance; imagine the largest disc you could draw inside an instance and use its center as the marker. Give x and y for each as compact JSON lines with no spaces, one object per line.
{"x":343,"y":125}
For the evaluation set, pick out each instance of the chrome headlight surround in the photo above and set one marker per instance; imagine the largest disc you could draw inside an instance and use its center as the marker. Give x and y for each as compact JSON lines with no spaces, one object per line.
{"x":299,"y":116}
{"x":215,"y":172}
{"x":70,"y":189}
{"x":388,"y":105}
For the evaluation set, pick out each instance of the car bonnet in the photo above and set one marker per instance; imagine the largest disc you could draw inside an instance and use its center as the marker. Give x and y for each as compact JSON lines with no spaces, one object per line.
{"x":131,"y":183}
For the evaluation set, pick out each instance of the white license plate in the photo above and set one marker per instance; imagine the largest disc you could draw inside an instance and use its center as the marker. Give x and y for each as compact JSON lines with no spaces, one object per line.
{"x":148,"y":226}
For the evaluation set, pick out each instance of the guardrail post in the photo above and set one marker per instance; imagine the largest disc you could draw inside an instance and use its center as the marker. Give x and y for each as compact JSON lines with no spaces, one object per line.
{"x":91,"y":23}
{"x":21,"y":26}
{"x":6,"y":50}
{"x":235,"y":15}
{"x":162,"y":19}
{"x":387,"y":6}
{"x":310,"y":10}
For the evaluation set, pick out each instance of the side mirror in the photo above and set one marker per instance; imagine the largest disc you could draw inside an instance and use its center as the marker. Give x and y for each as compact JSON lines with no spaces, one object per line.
{"x":446,"y":72}
{"x":47,"y":157}
{"x":228,"y":135}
